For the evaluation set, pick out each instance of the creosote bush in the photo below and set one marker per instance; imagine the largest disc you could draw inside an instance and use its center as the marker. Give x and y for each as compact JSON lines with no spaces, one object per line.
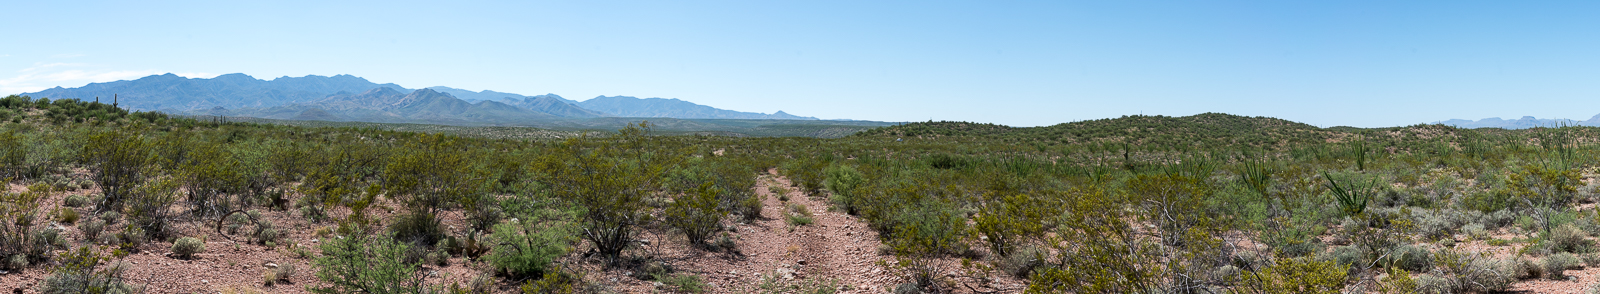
{"x":526,"y":249}
{"x":697,"y":214}
{"x":360,"y":263}
{"x":78,"y":274}
{"x":25,"y":234}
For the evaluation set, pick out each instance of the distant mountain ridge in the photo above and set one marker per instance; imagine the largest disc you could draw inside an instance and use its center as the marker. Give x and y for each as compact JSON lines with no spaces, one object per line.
{"x":172,"y":92}
{"x":351,"y":98}
{"x":628,"y":106}
{"x":386,"y":105}
{"x":1520,"y":123}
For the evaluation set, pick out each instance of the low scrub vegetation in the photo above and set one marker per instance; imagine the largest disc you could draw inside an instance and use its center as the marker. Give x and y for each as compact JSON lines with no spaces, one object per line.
{"x":1139,"y":204}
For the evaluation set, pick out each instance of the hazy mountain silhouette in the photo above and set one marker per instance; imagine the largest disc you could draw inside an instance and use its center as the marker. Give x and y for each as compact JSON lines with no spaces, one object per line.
{"x":628,"y":106}
{"x":351,"y":98}
{"x":170,"y":91}
{"x":1520,"y":123}
{"x":392,"y":106}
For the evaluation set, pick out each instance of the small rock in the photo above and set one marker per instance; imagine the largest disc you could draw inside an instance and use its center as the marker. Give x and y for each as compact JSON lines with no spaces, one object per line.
{"x":786,"y":273}
{"x":658,"y":284}
{"x":204,"y":281}
{"x":802,"y":261}
{"x":271,"y":265}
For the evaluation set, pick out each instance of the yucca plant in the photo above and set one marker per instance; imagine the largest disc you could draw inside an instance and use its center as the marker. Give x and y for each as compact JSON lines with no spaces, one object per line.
{"x":1352,"y":196}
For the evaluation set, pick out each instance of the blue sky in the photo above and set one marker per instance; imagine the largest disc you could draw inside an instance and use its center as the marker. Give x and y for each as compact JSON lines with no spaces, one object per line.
{"x":1357,"y":63}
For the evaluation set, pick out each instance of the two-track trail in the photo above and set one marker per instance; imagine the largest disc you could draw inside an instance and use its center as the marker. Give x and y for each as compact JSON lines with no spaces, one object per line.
{"x":774,"y":256}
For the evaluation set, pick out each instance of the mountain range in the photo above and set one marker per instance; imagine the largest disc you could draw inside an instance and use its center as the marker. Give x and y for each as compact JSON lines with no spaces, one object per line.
{"x":1520,"y":123}
{"x":351,"y":98}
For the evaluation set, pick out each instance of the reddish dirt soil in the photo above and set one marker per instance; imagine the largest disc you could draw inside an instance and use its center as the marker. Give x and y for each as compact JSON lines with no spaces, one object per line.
{"x":835,"y":248}
{"x":232,"y":265}
{"x":774,"y":257}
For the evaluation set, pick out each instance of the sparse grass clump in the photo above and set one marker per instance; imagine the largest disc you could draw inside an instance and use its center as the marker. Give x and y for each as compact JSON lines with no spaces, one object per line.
{"x":685,"y":283}
{"x":798,"y":215}
{"x":67,"y":215}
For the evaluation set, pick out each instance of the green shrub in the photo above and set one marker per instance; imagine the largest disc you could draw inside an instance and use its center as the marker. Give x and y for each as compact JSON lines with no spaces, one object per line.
{"x":1555,"y":266}
{"x":696,"y":214}
{"x":18,"y":261}
{"x":147,"y":207}
{"x":1398,"y":281}
{"x":778,"y":190}
{"x":842,"y":181}
{"x":724,"y":242}
{"x":1023,"y":261}
{"x":1568,"y":238}
{"x":67,"y":215}
{"x":1345,"y":256}
{"x":1433,"y":284}
{"x":1591,"y":259}
{"x":75,"y":201}
{"x":1010,"y":221}
{"x":186,"y":247}
{"x":24,"y":232}
{"x":750,"y":208}
{"x":269,"y":277}
{"x":91,"y":229}
{"x":1410,"y":258}
{"x":284,"y":272}
{"x":265,"y":233}
{"x":526,"y":249}
{"x":439,"y":258}
{"x":366,"y":264}
{"x":553,"y":282}
{"x":111,"y":217}
{"x":117,"y":160}
{"x":1523,"y":268}
{"x":1301,"y":275}
{"x":1475,"y":231}
{"x":1441,"y":223}
{"x":686,"y":283}
{"x":797,"y":220}
{"x":77,"y":274}
{"x":907,"y":288}
{"x":418,"y":228}
{"x":923,"y":232}
{"x":798,"y":215}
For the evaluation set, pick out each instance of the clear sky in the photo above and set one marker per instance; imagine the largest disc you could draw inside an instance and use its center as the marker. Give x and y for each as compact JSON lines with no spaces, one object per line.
{"x":1357,"y":63}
